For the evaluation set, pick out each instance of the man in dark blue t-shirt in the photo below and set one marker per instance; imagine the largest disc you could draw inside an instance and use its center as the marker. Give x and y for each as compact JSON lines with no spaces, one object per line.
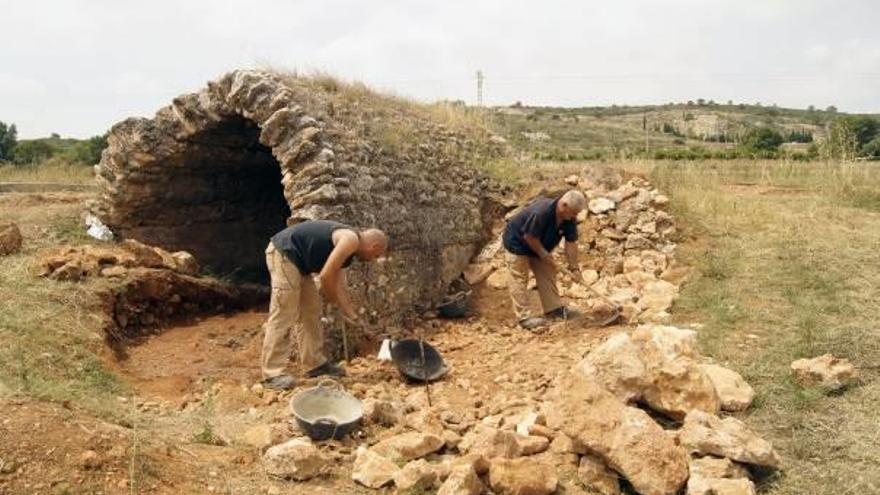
{"x":319,"y":249}
{"x":529,"y":237}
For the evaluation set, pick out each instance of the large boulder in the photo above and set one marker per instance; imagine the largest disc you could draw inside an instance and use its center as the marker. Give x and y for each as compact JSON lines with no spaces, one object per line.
{"x":825,"y":371}
{"x":617,"y":364}
{"x":707,"y":434}
{"x":678,"y":385}
{"x":295,"y":459}
{"x":626,"y":438}
{"x":733,"y":391}
{"x":523,"y":476}
{"x":10,"y":239}
{"x":657,"y":365}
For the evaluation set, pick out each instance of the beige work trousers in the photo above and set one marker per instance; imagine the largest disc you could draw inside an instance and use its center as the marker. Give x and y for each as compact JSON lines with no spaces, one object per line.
{"x":545,"y":276}
{"x":295,"y":305}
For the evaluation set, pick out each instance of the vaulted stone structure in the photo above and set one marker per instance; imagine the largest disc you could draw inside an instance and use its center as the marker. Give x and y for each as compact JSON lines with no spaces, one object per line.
{"x":219,"y":171}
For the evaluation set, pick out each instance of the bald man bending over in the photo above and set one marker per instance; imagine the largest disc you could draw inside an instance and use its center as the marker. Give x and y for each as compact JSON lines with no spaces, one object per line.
{"x":294,"y":256}
{"x":529,"y":237}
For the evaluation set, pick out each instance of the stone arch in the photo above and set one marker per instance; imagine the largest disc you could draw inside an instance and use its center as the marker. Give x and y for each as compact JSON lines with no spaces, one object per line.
{"x":218,"y":171}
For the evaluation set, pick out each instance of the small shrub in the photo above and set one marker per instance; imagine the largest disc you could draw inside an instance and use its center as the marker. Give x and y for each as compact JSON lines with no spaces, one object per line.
{"x":28,"y":152}
{"x":872,"y":149}
{"x":761,"y":141}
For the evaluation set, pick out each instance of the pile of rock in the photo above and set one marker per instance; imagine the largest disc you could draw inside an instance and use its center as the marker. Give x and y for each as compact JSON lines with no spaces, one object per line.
{"x":589,"y":430}
{"x":627,"y":240}
{"x":658,"y":367}
{"x":627,"y":258}
{"x":74,"y":263}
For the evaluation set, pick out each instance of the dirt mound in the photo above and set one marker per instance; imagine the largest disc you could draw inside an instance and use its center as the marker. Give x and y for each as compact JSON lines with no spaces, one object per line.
{"x":148,"y":286}
{"x":74,"y":263}
{"x":148,"y":299}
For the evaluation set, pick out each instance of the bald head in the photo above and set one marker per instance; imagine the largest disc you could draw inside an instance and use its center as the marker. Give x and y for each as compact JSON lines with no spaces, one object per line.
{"x":373,"y":244}
{"x":570,"y":204}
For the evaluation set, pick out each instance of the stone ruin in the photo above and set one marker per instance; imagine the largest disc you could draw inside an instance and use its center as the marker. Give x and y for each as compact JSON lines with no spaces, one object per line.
{"x":219,"y":171}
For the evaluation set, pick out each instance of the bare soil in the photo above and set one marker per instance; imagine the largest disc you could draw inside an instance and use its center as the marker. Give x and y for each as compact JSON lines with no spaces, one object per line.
{"x":174,"y":363}
{"x":183,"y":426}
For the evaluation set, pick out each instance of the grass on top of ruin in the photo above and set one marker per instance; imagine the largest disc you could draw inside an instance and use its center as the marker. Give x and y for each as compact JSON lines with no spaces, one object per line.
{"x":784,"y":257}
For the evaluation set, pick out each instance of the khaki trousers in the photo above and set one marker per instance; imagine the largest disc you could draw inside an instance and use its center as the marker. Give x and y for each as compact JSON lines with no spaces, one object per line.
{"x":545,"y":276}
{"x":295,"y":305}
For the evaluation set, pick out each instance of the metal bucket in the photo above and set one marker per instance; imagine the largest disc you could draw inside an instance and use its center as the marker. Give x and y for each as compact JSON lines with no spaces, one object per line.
{"x":326,"y":411}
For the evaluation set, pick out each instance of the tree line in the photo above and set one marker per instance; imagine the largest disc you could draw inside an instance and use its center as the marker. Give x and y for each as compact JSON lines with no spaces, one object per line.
{"x":32,"y":151}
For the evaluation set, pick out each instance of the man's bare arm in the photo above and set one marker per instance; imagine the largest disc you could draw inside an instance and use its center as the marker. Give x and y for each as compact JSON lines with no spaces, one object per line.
{"x":342,"y":297}
{"x":345,"y":244}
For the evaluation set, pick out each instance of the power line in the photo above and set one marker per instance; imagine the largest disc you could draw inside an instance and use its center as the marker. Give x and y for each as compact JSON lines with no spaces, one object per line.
{"x":479,"y":88}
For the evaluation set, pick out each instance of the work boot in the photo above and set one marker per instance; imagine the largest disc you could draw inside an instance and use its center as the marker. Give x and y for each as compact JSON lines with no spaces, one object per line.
{"x":532,"y":322}
{"x":280,"y":382}
{"x":563,"y":313}
{"x":328,"y":369}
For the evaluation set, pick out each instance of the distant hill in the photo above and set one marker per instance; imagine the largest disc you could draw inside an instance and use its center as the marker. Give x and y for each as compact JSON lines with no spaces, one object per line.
{"x":593,"y":132}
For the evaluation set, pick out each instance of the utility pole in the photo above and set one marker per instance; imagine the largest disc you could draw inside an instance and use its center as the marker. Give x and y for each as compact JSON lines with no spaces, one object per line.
{"x":479,"y":88}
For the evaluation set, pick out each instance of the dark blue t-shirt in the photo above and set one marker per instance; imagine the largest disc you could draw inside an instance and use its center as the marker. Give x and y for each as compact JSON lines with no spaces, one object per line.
{"x":539,"y":220}
{"x":308,"y":244}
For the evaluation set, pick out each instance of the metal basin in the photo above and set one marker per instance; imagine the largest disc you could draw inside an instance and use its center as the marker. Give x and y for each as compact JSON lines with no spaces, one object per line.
{"x":455,"y":306}
{"x":326,"y":411}
{"x":407,"y":356}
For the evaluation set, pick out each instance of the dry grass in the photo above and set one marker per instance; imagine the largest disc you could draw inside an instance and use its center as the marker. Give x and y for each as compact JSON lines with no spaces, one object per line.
{"x":50,"y":332}
{"x":52,"y":170}
{"x":786,"y":268}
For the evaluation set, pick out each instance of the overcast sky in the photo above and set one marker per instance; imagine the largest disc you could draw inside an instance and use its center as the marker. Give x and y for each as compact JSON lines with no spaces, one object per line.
{"x":75,"y":67}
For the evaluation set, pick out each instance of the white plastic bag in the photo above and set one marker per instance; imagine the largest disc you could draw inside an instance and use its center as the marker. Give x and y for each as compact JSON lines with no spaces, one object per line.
{"x":385,"y":351}
{"x":97,"y":229}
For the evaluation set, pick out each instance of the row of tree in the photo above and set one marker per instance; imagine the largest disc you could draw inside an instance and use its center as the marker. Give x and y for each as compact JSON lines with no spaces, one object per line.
{"x":31,"y":151}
